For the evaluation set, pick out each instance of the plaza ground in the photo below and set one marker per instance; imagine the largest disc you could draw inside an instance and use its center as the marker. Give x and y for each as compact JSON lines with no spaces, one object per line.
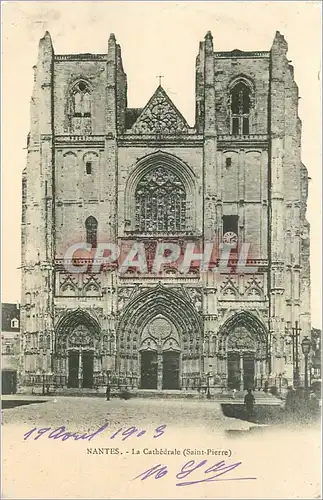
{"x":86,"y":412}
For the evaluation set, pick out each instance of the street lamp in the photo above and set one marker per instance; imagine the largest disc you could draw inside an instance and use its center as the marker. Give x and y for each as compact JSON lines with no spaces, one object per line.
{"x":306,"y":347}
{"x":294,"y":340}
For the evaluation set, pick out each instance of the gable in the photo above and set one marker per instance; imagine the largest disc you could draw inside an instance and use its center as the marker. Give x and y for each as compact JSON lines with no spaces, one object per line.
{"x":160,"y":116}
{"x":9,"y":312}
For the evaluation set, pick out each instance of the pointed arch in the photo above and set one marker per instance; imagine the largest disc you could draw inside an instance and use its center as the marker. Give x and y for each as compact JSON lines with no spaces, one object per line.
{"x":247,"y":320}
{"x":91,"y":227}
{"x":74,"y":318}
{"x":160,"y":195}
{"x":68,"y":288}
{"x":80,"y":107}
{"x":81,"y":98}
{"x":147,"y":305}
{"x":160,"y":334}
{"x":241,"y":98}
{"x":92,"y":289}
{"x":90,"y":162}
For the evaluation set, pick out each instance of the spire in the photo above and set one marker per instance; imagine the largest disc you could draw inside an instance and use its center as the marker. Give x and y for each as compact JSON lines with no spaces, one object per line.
{"x":47,"y":36}
{"x":46,"y":42}
{"x":209,"y":35}
{"x":209,"y":42}
{"x":279,"y":43}
{"x":112,"y":44}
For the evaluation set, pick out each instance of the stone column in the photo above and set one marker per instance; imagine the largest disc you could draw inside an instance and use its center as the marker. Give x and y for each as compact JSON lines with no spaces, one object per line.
{"x":241,"y":371}
{"x":225,"y":368}
{"x":258,"y":373}
{"x":66,"y":367}
{"x":80,"y":368}
{"x":159,"y":370}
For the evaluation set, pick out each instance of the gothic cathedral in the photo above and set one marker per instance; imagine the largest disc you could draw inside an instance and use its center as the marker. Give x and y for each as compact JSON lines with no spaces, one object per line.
{"x":100,"y":172}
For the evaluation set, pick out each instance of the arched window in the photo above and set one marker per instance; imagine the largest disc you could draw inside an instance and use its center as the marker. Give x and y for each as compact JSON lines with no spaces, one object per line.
{"x":81,"y":100}
{"x":14,"y":323}
{"x":90,"y":161}
{"x":91,"y":226}
{"x":80,"y":108}
{"x":240,"y":109}
{"x":160,"y":202}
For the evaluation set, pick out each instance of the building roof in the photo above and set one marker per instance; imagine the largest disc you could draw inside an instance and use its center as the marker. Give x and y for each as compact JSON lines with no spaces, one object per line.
{"x":8,"y":313}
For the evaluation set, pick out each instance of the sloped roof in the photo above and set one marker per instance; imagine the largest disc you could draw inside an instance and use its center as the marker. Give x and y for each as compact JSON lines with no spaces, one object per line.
{"x":8,"y":313}
{"x":131,"y":116}
{"x":160,"y":115}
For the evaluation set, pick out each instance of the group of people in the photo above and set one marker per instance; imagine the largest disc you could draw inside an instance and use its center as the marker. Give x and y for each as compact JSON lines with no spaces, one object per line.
{"x":301,"y":400}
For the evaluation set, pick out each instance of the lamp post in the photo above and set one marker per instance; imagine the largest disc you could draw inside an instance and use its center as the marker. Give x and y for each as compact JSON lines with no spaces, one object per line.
{"x":306,"y":347}
{"x":294,"y":340}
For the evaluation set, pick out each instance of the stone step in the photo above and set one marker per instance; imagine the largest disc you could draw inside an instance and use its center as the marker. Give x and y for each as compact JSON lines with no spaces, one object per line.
{"x":220,"y":396}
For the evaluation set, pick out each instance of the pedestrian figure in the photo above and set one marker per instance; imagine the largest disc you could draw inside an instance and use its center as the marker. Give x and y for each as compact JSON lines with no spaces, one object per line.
{"x":234,"y":393}
{"x":108,"y":392}
{"x":249,"y":402}
{"x":290,"y":404}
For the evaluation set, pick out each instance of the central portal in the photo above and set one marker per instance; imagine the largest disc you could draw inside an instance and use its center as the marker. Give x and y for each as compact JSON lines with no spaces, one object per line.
{"x":233,"y":370}
{"x":241,"y":370}
{"x":73,"y":369}
{"x":160,"y":355}
{"x":248,"y":370}
{"x":149,"y":370}
{"x":170,"y":370}
{"x":87,"y":361}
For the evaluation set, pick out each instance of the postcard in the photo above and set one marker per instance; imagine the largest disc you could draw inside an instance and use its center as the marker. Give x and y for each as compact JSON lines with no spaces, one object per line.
{"x":161,"y":258}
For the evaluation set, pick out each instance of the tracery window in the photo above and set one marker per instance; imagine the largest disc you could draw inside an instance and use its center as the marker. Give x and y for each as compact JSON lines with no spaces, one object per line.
{"x":160,"y":202}
{"x":240,"y":103}
{"x":81,"y":108}
{"x":81,"y":99}
{"x":14,"y":323}
{"x":91,"y":226}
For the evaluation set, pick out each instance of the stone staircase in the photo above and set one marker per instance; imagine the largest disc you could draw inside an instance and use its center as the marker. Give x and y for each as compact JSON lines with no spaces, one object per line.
{"x":220,"y":395}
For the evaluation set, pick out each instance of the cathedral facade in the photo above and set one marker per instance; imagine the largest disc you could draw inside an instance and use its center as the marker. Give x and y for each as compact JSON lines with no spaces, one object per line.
{"x":99,"y":172}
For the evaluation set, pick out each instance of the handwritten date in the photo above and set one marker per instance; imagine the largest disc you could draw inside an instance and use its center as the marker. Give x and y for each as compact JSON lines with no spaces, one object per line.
{"x":64,"y":435}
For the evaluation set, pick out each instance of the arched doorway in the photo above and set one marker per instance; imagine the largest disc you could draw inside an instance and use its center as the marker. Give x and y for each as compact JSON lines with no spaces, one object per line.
{"x":244,"y":341}
{"x":159,"y":340}
{"x":241,"y":358}
{"x":159,"y":353}
{"x":80,"y":348}
{"x":77,"y":338}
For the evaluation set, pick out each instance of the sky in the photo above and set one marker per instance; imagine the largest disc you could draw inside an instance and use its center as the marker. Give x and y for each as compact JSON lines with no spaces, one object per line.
{"x":156,"y":38}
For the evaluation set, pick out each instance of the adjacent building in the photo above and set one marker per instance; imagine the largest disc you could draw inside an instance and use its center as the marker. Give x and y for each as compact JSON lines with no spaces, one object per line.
{"x":10,"y":344}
